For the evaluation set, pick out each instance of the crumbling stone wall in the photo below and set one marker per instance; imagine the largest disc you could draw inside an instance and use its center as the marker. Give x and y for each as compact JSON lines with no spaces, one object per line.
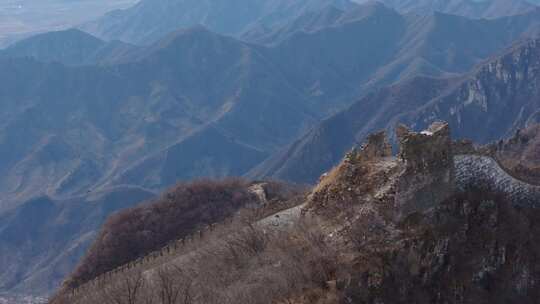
{"x":428,"y":177}
{"x":428,"y":150}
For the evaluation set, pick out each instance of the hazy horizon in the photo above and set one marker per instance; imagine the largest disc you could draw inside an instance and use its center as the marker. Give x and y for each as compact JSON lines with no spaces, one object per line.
{"x":21,"y":18}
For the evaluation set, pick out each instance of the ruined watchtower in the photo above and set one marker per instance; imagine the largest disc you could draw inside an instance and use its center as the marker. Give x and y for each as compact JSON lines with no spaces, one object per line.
{"x":428,"y":162}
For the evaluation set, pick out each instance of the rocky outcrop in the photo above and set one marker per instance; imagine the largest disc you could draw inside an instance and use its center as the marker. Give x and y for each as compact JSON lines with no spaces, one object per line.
{"x":376,"y":147}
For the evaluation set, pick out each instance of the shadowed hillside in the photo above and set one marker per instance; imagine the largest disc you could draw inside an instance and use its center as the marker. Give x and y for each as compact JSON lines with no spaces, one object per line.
{"x":66,"y":228}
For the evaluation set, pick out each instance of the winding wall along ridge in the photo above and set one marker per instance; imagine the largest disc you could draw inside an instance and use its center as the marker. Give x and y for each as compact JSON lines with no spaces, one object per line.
{"x":485,"y":173}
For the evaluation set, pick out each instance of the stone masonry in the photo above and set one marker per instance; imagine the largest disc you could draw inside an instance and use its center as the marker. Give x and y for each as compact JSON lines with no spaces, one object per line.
{"x":429,"y":175}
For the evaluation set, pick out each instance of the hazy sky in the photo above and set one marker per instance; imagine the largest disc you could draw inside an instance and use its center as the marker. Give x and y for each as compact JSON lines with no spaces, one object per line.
{"x":22,"y":17}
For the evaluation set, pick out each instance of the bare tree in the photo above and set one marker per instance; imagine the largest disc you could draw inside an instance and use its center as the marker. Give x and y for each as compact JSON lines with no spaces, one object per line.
{"x":174,"y":286}
{"x":126,"y":290}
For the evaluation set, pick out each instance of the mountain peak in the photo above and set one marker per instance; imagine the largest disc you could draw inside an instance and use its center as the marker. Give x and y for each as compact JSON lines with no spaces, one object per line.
{"x":71,"y":35}
{"x":70,"y":46}
{"x":186,"y":40}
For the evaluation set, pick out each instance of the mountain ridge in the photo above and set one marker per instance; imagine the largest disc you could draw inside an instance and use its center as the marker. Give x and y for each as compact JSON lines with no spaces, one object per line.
{"x":230,"y":19}
{"x":70,"y":47}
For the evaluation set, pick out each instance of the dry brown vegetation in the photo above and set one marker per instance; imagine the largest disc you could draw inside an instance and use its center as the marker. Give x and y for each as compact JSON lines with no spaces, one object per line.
{"x":135,"y":232}
{"x":251,"y":265}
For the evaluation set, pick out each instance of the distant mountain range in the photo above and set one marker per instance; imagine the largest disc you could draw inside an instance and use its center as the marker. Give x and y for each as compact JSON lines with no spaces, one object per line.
{"x":82,"y":117}
{"x":145,"y":116}
{"x":150,"y":20}
{"x":494,"y":101}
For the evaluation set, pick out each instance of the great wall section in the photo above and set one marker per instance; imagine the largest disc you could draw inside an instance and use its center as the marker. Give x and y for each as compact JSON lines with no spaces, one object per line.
{"x":154,"y":259}
{"x":486,"y":173}
{"x":429,"y":158}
